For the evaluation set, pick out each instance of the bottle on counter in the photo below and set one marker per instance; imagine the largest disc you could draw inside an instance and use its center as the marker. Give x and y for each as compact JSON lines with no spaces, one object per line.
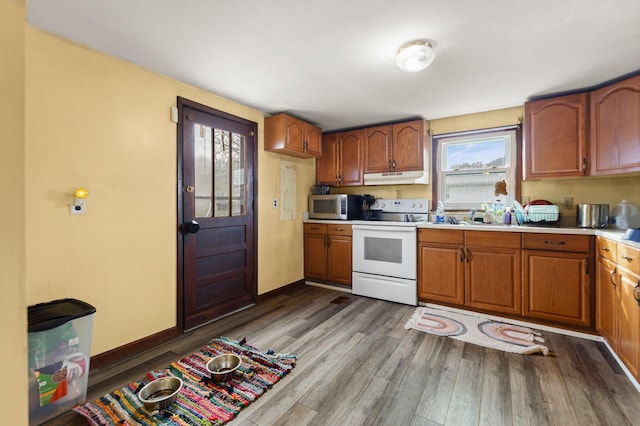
{"x":507,"y":216}
{"x":440,"y":213}
{"x":498,"y":212}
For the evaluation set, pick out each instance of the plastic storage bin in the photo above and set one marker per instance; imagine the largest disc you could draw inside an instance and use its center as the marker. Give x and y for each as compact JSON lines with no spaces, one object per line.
{"x":59,"y":351}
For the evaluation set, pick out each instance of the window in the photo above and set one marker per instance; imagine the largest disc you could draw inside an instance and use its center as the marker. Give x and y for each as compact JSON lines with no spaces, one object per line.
{"x":469,"y":165}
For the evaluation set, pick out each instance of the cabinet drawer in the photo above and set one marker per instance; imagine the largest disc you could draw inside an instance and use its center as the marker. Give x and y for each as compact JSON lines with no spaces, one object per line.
{"x":444,"y":236}
{"x":557,"y":242}
{"x":493,"y":239}
{"x":315,"y":228}
{"x":607,"y":248}
{"x":629,"y":258}
{"x":337,"y":229}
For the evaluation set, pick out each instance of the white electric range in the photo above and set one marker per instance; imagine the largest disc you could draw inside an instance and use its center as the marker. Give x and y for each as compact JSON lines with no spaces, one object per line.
{"x":384,"y":251}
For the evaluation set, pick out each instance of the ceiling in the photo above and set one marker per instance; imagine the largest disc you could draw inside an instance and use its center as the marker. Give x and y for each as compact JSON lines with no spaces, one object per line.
{"x":332,"y":62}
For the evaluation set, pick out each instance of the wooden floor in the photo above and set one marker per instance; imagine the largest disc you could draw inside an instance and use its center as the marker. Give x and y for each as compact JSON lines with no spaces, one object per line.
{"x":357,"y":365}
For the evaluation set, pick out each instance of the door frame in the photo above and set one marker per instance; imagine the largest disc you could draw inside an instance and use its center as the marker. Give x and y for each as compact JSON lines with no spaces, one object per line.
{"x":182,"y":103}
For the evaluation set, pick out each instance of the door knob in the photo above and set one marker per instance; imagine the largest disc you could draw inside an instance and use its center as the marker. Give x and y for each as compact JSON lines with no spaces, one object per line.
{"x":190,"y":227}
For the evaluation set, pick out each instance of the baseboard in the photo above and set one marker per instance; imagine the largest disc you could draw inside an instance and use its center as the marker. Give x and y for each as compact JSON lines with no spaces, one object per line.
{"x":280,"y":290}
{"x":329,"y":286}
{"x":132,"y":348}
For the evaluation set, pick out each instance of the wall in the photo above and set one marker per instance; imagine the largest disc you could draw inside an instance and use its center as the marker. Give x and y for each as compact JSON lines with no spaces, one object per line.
{"x":103,"y":123}
{"x":583,"y":190}
{"x":13,"y":315}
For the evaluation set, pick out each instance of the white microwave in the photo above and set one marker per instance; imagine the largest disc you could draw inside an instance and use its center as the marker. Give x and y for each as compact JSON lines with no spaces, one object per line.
{"x":335,"y":206}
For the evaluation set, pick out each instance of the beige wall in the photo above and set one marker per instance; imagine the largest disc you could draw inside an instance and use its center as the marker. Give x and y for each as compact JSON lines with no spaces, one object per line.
{"x":13,"y":314}
{"x":99,"y":122}
{"x":583,"y":190}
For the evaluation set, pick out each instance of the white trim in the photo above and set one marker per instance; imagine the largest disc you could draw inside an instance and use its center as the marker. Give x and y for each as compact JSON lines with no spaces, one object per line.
{"x":634,"y":382}
{"x":330,"y":287}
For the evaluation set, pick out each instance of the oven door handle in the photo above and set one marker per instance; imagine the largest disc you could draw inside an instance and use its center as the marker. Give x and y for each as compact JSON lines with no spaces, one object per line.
{"x":377,"y":228}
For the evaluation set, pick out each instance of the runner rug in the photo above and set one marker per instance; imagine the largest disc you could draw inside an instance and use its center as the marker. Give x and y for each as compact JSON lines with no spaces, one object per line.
{"x":478,"y":330}
{"x":200,"y":401}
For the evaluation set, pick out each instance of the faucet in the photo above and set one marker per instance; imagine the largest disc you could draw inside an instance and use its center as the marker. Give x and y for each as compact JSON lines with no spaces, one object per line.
{"x":472,"y":212}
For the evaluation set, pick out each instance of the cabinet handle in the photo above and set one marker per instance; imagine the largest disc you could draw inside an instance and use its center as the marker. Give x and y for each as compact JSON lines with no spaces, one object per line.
{"x":314,"y":228}
{"x":586,"y":265}
{"x":469,"y":257}
{"x":584,"y":166}
{"x":613,"y":274}
{"x":394,"y":165}
{"x":636,"y":291}
{"x":627,"y":258}
{"x":389,"y":165}
{"x":604,"y":248}
{"x":461,"y":251}
{"x":339,"y":229}
{"x":557,"y":243}
{"x":327,"y":243}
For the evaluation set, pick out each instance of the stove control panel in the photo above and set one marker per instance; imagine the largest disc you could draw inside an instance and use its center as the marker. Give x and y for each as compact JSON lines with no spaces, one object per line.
{"x":411,"y":205}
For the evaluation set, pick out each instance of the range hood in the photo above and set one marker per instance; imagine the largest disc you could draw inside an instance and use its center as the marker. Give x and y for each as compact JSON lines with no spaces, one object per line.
{"x":397,"y":178}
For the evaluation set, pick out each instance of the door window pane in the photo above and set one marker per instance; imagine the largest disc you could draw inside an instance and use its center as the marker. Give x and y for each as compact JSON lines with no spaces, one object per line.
{"x":222,"y":144}
{"x":203,"y":171}
{"x":238,"y":198}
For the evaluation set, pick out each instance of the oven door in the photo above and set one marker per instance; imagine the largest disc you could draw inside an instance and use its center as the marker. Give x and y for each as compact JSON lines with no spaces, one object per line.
{"x":385,"y":250}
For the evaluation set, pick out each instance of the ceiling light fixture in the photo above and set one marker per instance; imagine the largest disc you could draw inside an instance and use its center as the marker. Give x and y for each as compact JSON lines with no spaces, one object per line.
{"x":415,"y":56}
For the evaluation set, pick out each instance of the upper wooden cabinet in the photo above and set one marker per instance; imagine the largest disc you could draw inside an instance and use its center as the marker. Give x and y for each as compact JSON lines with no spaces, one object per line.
{"x":291,"y":136}
{"x":396,"y":147}
{"x":555,"y":132}
{"x":615,"y":128}
{"x":341,"y":161}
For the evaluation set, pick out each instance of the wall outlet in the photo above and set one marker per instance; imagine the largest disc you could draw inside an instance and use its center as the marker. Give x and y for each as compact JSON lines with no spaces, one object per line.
{"x":567,"y":203}
{"x":274,"y":203}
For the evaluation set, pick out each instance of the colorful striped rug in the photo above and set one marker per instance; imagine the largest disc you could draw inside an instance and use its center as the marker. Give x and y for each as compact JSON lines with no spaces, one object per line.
{"x":200,"y":401}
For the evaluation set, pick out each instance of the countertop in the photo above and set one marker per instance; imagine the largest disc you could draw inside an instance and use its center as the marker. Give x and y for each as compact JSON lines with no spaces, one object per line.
{"x":612,"y":234}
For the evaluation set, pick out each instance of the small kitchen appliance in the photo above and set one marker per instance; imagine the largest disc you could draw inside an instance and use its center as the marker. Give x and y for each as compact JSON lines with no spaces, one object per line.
{"x":335,"y":206}
{"x":592,"y":215}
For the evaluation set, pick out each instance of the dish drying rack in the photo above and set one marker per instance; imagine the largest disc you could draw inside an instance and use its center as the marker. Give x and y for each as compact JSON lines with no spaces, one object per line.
{"x":543,"y":215}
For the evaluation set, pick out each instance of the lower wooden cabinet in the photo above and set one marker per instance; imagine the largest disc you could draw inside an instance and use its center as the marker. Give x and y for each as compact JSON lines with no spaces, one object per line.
{"x":441,"y":266}
{"x":618,"y":300}
{"x":327,"y":252}
{"x":478,"y":269}
{"x":557,"y":278}
{"x":492,"y":280}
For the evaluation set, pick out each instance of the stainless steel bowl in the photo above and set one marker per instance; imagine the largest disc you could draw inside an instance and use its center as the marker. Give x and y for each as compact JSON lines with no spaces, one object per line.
{"x":160,"y":393}
{"x":223,"y":366}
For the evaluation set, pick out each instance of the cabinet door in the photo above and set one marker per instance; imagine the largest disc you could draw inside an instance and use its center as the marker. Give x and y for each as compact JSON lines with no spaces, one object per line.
{"x":327,"y":164}
{"x":408,"y":146}
{"x":557,"y":286}
{"x":629,"y":317}
{"x":350,"y":161}
{"x":615,"y":128}
{"x":377,"y":149}
{"x":607,"y":300}
{"x":315,"y":256}
{"x":286,"y":135}
{"x":441,"y":273}
{"x":313,"y":138}
{"x":294,"y":133}
{"x":492,"y":279}
{"x":339,"y":259}
{"x":555,"y":133}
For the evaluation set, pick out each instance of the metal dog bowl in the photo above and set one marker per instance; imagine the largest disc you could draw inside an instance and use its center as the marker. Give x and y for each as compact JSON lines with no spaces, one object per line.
{"x":160,"y":393}
{"x":223,"y":366}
